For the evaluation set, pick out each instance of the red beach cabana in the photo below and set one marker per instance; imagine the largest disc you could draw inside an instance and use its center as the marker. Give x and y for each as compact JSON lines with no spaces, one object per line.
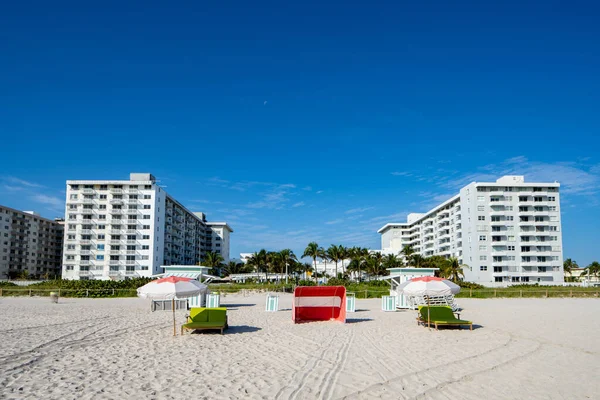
{"x":319,"y":303}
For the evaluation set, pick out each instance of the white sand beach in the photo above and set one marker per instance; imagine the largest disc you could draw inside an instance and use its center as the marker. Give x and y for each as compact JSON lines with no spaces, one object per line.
{"x":117,"y":348}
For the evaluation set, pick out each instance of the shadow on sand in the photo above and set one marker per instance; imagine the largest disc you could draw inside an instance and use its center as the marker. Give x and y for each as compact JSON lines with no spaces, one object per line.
{"x":357,"y":320}
{"x":237,"y":305}
{"x":230,"y":330}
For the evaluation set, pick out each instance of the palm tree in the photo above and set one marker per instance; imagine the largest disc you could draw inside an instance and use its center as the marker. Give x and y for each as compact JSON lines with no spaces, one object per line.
{"x":287,"y":257}
{"x":343,"y":254}
{"x":258,"y":260}
{"x":569,"y":265}
{"x":452,"y":269}
{"x":314,"y":251}
{"x":234,"y":267}
{"x":333,"y":253}
{"x":392,"y":261}
{"x":373,"y":264}
{"x":214,"y":261}
{"x":417,"y":261}
{"x":592,"y":270}
{"x":407,"y":252}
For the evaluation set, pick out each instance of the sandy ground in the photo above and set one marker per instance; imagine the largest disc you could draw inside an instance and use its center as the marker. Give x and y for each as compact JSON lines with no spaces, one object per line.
{"x":118,"y":349}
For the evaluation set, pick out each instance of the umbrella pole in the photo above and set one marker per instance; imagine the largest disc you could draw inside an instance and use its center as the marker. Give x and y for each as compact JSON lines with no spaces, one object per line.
{"x":428,"y":318}
{"x":174,"y":328}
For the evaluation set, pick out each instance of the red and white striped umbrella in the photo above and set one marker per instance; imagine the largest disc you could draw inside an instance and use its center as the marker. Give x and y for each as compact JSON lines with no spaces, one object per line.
{"x":172,"y":287}
{"x":428,"y":286}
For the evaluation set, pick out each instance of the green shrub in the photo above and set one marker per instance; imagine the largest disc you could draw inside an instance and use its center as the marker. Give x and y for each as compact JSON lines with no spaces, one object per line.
{"x":306,"y":282}
{"x":7,"y":284}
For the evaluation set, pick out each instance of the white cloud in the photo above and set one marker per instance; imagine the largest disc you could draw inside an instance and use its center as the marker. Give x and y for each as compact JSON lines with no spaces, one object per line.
{"x":52,"y":201}
{"x":402,"y":173}
{"x":359,"y":210}
{"x":298,"y":204}
{"x":307,"y":188}
{"x":335,"y":221}
{"x":22,"y":182}
{"x":319,"y":192}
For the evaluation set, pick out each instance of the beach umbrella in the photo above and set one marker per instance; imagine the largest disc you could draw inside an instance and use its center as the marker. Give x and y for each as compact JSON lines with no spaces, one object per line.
{"x":171,"y":288}
{"x":428,"y":286}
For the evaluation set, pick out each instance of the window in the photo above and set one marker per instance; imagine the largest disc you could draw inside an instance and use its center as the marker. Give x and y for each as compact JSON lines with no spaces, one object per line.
{"x":145,"y":226}
{"x":497,"y":269}
{"x":480,"y":198}
{"x":101,"y":216}
{"x":553,"y":229}
{"x":480,"y":208}
{"x":145,"y":247}
{"x":481,"y":218}
{"x":68,"y":257}
{"x":482,"y":247}
{"x":102,"y":197}
{"x":73,"y":197}
{"x":551,"y":198}
{"x":481,"y":258}
{"x":483,"y":268}
{"x":146,"y":206}
{"x":482,"y":238}
{"x":69,"y":268}
{"x":508,"y":208}
{"x":541,"y":269}
{"x":145,"y":237}
{"x":100,"y":257}
{"x":551,"y":208}
{"x":510,"y":218}
{"x":101,"y":227}
{"x":147,"y":197}
{"x":146,"y":217}
{"x":102,"y":206}
{"x":70,"y":237}
{"x":70,"y":247}
{"x":497,"y":279}
{"x":100,"y":247}
{"x":510,"y":227}
{"x":511,"y":248}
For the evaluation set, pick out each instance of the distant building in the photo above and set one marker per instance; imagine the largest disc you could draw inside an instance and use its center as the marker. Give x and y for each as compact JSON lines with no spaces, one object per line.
{"x":244,"y":257}
{"x":29,"y":243}
{"x":130,"y":228}
{"x":508,"y":231}
{"x":217,"y":237}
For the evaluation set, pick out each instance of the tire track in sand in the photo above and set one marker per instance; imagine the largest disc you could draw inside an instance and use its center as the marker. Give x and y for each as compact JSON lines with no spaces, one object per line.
{"x":331,"y":377}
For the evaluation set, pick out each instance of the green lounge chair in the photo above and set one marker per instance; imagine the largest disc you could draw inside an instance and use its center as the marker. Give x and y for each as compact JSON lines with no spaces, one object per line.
{"x":441,"y":316}
{"x":206,"y":318}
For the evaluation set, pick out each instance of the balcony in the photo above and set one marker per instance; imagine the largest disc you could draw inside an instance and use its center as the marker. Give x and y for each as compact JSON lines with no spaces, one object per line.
{"x":88,"y":191}
{"x":85,"y":252}
{"x":84,"y":273}
{"x":87,"y":201}
{"x":115,"y":231}
{"x":131,"y":241}
{"x":116,"y":191}
{"x":114,"y":273}
{"x":85,"y":242}
{"x":116,"y":201}
{"x":131,"y":231}
{"x":84,"y":262}
{"x":115,"y":252}
{"x":114,"y":262}
{"x":116,"y":211}
{"x":132,"y":212}
{"x":86,"y":232}
{"x":115,"y":241}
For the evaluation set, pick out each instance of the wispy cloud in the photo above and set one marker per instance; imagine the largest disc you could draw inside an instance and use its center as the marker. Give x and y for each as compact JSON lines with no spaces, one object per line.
{"x":298,"y":204}
{"x":319,"y":191}
{"x":307,"y":188}
{"x":275,"y":198}
{"x":359,"y":210}
{"x":49,"y":200}
{"x":335,"y":221}
{"x":402,"y":173}
{"x":22,"y":182}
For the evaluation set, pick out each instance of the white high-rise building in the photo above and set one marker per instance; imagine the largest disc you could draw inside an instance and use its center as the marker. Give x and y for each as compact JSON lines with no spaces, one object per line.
{"x":29,"y":244}
{"x":507,"y":232}
{"x":116,"y":229}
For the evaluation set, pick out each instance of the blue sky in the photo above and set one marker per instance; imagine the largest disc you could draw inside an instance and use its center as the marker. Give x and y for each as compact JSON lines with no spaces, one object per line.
{"x":308,"y":121}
